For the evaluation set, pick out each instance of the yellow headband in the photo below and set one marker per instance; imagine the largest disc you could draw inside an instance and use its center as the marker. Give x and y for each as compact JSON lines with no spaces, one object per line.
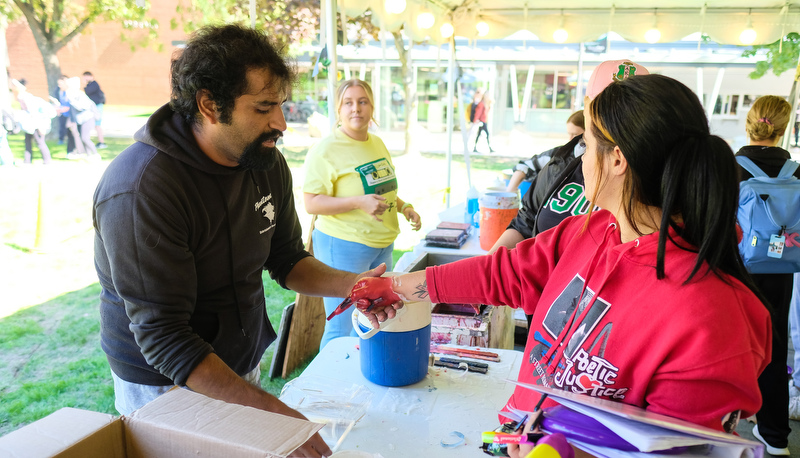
{"x":596,"y":122}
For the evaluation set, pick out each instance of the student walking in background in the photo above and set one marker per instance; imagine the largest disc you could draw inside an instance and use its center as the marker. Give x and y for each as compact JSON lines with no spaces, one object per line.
{"x":479,"y":115}
{"x":70,"y":129}
{"x":35,"y":119}
{"x":97,"y":96}
{"x":83,"y":113}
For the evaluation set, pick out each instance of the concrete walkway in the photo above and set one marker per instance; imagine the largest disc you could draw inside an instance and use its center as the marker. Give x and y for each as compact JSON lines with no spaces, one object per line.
{"x":516,"y":143}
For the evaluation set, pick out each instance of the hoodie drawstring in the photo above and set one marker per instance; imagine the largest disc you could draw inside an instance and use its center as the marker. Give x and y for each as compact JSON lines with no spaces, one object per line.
{"x":230,"y":254}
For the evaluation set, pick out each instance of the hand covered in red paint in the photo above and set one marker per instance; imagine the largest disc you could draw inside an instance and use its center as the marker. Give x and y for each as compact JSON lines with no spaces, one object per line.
{"x":374,"y":296}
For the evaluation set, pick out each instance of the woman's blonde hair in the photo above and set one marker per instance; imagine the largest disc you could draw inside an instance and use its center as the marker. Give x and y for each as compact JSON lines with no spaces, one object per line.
{"x":768,"y":118}
{"x":347,"y":85}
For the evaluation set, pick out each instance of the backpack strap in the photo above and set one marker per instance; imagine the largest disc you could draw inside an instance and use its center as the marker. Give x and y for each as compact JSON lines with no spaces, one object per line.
{"x":751,"y":167}
{"x":788,"y":169}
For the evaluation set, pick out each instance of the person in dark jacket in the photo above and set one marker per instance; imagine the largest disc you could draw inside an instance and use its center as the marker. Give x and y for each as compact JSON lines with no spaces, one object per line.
{"x":527,"y":170}
{"x":186,"y":220}
{"x":479,"y":115}
{"x":97,"y":96}
{"x":558,"y":191}
{"x":766,"y":123}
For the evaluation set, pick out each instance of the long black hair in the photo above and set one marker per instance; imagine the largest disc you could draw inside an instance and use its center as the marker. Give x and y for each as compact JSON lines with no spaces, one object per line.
{"x":675,"y":164}
{"x":217,"y":58}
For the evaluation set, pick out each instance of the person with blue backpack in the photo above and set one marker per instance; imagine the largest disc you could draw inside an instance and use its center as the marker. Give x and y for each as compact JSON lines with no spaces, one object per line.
{"x":766,"y":170}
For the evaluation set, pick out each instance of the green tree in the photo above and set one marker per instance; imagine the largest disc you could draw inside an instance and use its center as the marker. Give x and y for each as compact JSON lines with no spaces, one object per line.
{"x":55,"y":23}
{"x":781,"y":55}
{"x":294,"y":23}
{"x":291,"y":23}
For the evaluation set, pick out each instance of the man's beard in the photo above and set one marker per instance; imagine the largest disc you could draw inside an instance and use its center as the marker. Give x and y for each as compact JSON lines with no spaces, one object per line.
{"x":256,"y":156}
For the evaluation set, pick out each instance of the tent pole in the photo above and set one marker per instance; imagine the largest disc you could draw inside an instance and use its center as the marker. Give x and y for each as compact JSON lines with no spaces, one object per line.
{"x":711,"y":103}
{"x":579,"y":86}
{"x":451,"y":82}
{"x":787,"y":136}
{"x":252,"y":14}
{"x":794,"y":99}
{"x":464,"y":131}
{"x":330,"y":39}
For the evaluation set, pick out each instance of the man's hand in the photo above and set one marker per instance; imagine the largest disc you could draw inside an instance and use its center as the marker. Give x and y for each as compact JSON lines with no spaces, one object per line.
{"x":213,"y":378}
{"x":314,"y":447}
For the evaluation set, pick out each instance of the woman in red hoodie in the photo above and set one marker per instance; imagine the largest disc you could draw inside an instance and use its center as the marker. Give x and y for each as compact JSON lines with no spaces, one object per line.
{"x":645,"y":302}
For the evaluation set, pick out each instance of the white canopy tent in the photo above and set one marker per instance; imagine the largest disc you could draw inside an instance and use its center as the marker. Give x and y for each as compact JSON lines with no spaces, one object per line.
{"x":723,"y":21}
{"x":586,"y":20}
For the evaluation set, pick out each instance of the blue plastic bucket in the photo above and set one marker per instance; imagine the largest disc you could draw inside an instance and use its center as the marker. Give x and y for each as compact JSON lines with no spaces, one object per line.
{"x":397,"y":353}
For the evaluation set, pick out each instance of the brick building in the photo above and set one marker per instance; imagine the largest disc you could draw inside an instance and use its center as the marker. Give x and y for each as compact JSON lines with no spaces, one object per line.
{"x":127,"y":77}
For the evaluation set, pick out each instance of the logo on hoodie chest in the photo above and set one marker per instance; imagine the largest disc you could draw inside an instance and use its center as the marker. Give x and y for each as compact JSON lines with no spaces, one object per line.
{"x":582,"y":367}
{"x":266,"y":208}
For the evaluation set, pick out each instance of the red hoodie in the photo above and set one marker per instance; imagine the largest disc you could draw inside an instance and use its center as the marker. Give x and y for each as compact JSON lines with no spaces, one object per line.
{"x":690,"y":351}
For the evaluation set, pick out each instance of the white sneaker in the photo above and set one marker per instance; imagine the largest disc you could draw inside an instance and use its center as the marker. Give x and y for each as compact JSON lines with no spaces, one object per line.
{"x":794,"y":408}
{"x":793,"y":390}
{"x":770,"y":449}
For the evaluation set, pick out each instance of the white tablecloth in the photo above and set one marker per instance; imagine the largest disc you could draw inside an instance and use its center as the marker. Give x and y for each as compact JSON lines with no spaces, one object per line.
{"x":412,"y":421}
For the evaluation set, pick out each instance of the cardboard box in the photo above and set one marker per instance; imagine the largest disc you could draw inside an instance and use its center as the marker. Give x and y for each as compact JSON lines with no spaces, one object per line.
{"x":493,"y":327}
{"x":178,"y":424}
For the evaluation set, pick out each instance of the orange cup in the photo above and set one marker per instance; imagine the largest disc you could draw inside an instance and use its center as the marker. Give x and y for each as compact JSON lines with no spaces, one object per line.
{"x":493,"y":223}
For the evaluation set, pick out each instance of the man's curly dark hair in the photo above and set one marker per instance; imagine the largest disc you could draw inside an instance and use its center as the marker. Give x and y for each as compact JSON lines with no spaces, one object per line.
{"x":217,"y":58}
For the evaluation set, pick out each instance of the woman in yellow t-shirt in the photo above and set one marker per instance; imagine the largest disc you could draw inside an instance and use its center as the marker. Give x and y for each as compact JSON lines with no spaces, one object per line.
{"x":351,"y":184}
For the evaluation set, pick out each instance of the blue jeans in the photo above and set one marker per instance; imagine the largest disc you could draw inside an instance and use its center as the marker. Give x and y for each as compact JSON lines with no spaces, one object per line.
{"x":351,"y":257}
{"x":794,"y":321}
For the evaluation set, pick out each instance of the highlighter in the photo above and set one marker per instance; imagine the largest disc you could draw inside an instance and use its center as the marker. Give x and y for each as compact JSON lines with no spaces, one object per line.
{"x":494,"y":437}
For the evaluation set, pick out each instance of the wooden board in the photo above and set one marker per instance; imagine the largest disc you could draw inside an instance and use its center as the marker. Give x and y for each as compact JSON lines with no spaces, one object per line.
{"x":305,"y":332}
{"x":502,"y":326}
{"x":276,"y":366}
{"x":307,"y":324}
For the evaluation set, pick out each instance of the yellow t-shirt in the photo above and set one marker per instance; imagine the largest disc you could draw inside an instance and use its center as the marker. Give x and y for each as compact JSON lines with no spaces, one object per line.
{"x":339,"y":166}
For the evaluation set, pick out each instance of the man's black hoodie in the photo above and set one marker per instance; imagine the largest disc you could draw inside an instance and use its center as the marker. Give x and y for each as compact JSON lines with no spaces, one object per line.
{"x":180,"y":246}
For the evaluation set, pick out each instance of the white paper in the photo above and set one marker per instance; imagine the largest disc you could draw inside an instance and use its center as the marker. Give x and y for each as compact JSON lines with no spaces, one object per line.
{"x":649,"y":431}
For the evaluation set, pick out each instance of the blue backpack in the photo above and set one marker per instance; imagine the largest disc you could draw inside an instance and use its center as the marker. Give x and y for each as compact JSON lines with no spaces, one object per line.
{"x":769,"y":216}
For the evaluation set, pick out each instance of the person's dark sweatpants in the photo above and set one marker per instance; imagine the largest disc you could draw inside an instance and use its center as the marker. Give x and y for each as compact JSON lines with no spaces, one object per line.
{"x":482,"y":127}
{"x":62,"y":128}
{"x":773,"y":418}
